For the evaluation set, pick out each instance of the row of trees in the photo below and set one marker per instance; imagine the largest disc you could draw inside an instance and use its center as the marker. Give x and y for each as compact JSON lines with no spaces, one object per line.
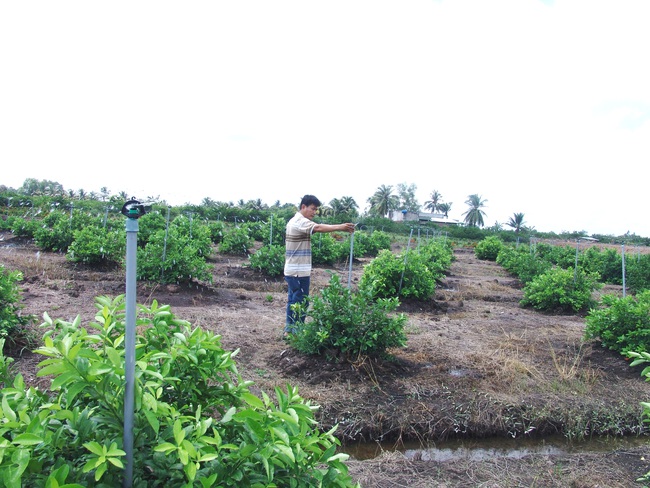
{"x":36,"y":198}
{"x":385,"y":200}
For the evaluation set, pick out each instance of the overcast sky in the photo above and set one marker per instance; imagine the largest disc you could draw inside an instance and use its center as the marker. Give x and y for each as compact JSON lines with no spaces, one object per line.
{"x":540,"y":107}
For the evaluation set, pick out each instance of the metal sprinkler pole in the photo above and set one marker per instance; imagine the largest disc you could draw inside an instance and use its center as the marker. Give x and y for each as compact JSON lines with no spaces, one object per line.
{"x":132,"y":210}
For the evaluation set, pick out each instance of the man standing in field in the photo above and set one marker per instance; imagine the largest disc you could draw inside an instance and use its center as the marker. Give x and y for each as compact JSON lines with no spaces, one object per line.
{"x":297,"y":259}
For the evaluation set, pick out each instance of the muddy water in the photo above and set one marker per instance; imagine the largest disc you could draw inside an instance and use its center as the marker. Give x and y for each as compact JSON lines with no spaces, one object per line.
{"x":480,"y":449}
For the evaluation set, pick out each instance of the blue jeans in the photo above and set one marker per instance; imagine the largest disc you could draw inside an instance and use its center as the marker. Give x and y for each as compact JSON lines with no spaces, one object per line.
{"x":298,"y":292}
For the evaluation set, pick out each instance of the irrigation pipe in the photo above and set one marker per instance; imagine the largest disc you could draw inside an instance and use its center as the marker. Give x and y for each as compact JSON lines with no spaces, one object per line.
{"x":133,"y":210}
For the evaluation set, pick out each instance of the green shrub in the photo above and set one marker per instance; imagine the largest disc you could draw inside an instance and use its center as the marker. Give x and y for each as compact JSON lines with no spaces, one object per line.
{"x":21,"y":227}
{"x":326,"y":250}
{"x":562,"y":256}
{"x":272,"y":232}
{"x":561,"y":290}
{"x":217,"y":229}
{"x":174,"y":257}
{"x":269,"y":260}
{"x":637,"y":270}
{"x":195,"y":423}
{"x":439,"y":255}
{"x":10,"y":303}
{"x":236,"y":240}
{"x":611,"y":267}
{"x":622,"y":323}
{"x":97,"y":246}
{"x":349,"y":323}
{"x":522,"y":263}
{"x":399,"y":276}
{"x":56,"y":231}
{"x":642,"y":357}
{"x":488,"y":249}
{"x":149,"y":224}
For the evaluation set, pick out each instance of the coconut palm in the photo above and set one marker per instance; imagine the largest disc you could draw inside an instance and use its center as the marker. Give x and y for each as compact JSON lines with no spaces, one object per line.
{"x":444,"y":208}
{"x":348,"y":205}
{"x":255,"y":205}
{"x":474,"y":215}
{"x":383,"y":201}
{"x":435,"y":202}
{"x":516,"y":222}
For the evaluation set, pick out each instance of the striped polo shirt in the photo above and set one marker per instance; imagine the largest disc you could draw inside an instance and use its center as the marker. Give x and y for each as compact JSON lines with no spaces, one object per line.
{"x":298,"y":246}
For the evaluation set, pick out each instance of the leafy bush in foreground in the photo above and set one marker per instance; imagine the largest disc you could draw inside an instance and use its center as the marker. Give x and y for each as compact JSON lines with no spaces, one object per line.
{"x":642,"y":357}
{"x":622,"y":324}
{"x":196,"y":423}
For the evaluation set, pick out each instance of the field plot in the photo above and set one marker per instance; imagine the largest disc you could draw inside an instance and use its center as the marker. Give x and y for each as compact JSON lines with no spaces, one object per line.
{"x":476,"y":365}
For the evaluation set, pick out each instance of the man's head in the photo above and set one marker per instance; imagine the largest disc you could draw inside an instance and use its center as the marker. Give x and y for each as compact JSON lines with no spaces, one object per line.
{"x":309,"y":206}
{"x":308,"y":200}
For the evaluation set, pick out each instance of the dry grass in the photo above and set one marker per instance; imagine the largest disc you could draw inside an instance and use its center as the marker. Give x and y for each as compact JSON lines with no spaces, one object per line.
{"x":31,"y":265}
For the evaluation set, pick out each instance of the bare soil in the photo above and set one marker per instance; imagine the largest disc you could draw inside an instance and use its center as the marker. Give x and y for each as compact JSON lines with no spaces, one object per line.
{"x":477,"y":365}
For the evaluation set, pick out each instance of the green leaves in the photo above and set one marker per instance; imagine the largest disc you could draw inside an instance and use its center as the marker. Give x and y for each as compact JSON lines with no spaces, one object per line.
{"x":622,"y":323}
{"x":72,"y":435}
{"x":488,"y":249}
{"x":101,"y":456}
{"x":411,"y":275}
{"x":10,"y":306}
{"x":350,"y":323}
{"x":561,"y":290}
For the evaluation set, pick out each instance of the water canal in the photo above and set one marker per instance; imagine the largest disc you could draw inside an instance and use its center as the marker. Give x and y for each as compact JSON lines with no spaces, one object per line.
{"x":481,"y":449}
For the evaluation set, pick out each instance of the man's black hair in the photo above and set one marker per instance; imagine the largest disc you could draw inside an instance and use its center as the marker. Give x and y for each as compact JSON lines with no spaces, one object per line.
{"x":308,"y":200}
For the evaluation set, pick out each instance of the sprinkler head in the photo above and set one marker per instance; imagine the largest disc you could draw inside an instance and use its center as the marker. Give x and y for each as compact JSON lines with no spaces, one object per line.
{"x":133,"y":209}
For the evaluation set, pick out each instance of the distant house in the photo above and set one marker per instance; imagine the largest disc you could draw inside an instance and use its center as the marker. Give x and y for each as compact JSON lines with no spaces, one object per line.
{"x":436,"y":218}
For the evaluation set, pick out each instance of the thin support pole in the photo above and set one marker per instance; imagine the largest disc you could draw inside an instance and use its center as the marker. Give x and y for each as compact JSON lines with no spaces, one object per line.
{"x":164,"y":256}
{"x":623,"y":266}
{"x":408,"y":245}
{"x":351,"y":258}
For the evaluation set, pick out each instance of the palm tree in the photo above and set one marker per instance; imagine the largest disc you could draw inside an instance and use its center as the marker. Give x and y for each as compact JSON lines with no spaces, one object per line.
{"x":255,"y":205}
{"x":383,"y":201}
{"x":516,"y":222}
{"x":335,"y":207}
{"x":435,"y":202}
{"x":444,"y":208}
{"x":348,"y":205}
{"x":474,"y":215}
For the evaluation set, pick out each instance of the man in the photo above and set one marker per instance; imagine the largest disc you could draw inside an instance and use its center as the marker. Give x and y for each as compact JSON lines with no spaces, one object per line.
{"x":297,"y":261}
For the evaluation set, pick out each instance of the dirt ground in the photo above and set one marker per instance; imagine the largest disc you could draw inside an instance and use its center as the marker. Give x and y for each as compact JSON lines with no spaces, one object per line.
{"x":476,"y":366}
